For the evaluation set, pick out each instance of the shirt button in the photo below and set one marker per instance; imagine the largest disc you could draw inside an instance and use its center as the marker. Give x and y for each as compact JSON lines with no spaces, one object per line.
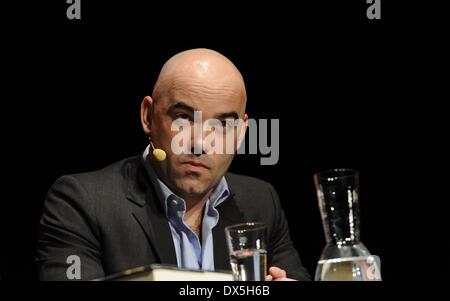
{"x":174,"y":202}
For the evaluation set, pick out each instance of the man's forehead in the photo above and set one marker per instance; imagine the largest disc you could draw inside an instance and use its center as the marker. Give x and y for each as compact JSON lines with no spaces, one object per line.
{"x":213,"y":108}
{"x":206,"y":100}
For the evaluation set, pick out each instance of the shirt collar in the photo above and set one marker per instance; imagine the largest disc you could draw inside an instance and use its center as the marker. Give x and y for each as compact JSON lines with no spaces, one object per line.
{"x":218,"y":195}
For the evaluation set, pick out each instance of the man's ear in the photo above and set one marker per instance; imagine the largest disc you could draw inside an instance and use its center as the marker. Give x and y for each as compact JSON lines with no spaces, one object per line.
{"x":146,"y":114}
{"x":242,"y":130}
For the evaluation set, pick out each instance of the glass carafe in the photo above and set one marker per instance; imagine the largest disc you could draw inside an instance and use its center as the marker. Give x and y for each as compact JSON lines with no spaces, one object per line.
{"x":344,"y":257}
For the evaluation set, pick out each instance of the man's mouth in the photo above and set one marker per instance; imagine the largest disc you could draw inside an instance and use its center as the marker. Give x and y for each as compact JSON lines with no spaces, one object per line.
{"x":196,"y":164}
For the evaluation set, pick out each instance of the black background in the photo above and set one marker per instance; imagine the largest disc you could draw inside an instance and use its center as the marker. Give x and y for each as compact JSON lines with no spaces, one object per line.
{"x":349,"y":92}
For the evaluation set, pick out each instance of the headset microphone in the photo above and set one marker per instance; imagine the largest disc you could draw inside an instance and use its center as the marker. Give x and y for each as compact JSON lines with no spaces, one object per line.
{"x":158,"y":153}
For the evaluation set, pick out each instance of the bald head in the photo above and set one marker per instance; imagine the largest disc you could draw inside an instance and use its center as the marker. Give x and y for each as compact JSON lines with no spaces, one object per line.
{"x":201,"y":71}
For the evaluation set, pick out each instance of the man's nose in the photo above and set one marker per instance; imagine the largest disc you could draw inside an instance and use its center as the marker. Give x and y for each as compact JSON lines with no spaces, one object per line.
{"x":197,"y":145}
{"x":198,"y":152}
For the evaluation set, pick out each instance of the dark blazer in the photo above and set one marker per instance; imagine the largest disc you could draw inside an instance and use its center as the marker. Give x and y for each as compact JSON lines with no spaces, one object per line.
{"x":113,"y":219}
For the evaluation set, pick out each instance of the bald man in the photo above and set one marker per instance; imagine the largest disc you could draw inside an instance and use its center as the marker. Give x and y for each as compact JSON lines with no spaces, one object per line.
{"x":166,"y":206}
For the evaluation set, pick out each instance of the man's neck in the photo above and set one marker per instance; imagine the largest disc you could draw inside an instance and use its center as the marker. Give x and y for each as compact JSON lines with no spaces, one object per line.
{"x":195,"y":202}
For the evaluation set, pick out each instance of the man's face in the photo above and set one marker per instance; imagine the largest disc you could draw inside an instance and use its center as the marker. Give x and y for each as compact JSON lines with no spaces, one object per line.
{"x":187,"y":173}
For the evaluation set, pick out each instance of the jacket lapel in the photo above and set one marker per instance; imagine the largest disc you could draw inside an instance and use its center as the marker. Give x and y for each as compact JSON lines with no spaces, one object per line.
{"x":148,"y":212}
{"x":229,"y":214}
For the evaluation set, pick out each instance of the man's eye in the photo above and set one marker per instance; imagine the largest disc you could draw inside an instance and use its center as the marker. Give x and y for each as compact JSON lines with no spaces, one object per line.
{"x":183,"y":116}
{"x":227,"y":123}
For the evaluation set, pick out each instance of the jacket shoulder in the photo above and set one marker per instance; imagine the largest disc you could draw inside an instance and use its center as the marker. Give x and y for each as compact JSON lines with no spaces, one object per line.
{"x":109,"y":180}
{"x":110,"y":173}
{"x":246,"y":182}
{"x":251,"y":191}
